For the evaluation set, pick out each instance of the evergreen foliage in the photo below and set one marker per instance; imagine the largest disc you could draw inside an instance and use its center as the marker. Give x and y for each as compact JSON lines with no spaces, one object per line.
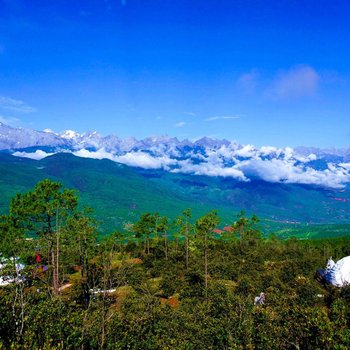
{"x":147,"y":289}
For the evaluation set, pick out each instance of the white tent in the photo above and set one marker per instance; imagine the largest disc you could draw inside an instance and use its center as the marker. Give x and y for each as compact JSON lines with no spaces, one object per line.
{"x":339,"y":274}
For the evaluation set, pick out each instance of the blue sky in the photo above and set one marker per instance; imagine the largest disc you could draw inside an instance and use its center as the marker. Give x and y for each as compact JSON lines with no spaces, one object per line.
{"x":261,"y":72}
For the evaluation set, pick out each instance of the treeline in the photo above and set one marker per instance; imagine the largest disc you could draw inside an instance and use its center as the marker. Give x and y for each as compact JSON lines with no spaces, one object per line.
{"x":161,"y":284}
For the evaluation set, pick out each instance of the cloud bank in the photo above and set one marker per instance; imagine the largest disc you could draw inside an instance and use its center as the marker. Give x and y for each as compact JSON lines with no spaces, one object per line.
{"x":37,"y":155}
{"x":223,"y":158}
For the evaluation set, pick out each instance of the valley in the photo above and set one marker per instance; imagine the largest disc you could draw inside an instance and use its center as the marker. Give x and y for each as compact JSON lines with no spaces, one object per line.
{"x":119,"y":194}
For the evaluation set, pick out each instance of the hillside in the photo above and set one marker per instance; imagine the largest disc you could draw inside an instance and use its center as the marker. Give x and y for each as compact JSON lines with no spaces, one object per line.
{"x":119,"y":194}
{"x":201,"y":291}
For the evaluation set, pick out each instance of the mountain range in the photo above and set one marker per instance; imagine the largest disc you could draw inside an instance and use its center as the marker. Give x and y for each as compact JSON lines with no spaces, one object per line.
{"x":301,"y":191}
{"x":329,"y":168}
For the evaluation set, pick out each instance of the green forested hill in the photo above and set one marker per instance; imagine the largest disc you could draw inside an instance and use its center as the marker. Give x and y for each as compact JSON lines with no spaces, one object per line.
{"x":119,"y":194}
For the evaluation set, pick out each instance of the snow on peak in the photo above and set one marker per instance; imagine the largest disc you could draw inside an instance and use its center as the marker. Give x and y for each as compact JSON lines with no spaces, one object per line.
{"x":92,"y":134}
{"x":69,"y":134}
{"x":206,"y":156}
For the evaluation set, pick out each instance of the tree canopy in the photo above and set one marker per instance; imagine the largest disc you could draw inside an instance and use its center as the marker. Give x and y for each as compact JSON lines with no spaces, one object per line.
{"x":162,"y":285}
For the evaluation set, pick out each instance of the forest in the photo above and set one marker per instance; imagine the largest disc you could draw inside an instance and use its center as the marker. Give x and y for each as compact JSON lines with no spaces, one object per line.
{"x":160,"y":283}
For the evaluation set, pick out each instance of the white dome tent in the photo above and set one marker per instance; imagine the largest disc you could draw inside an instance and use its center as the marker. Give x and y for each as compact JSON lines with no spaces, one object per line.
{"x":338,"y":275}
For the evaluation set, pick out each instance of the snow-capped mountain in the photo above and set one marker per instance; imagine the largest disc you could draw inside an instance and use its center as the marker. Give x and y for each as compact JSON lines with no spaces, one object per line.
{"x":206,"y":156}
{"x":68,"y":134}
{"x":13,"y":138}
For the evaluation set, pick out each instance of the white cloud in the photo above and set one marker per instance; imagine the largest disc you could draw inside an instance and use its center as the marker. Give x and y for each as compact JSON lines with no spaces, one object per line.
{"x":191,"y":114}
{"x":209,"y":169}
{"x":135,"y":159}
{"x":37,"y":155}
{"x":311,"y":157}
{"x":283,"y":165}
{"x":305,"y":159}
{"x":221,"y":117}
{"x":11,"y":104}
{"x":145,"y":160}
{"x":225,"y":152}
{"x":268,"y":150}
{"x":345,"y":166}
{"x":296,"y":82}
{"x":246,"y":151}
{"x":99,"y":154}
{"x":286,"y":170}
{"x":300,"y":81}
{"x":180,"y":124}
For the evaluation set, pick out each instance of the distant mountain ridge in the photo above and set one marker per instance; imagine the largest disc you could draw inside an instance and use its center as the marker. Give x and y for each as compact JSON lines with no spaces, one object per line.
{"x":311,"y":166}
{"x":20,"y":138}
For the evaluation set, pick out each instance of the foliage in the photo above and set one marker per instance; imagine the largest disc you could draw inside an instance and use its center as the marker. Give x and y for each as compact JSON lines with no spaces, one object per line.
{"x":147,"y":289}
